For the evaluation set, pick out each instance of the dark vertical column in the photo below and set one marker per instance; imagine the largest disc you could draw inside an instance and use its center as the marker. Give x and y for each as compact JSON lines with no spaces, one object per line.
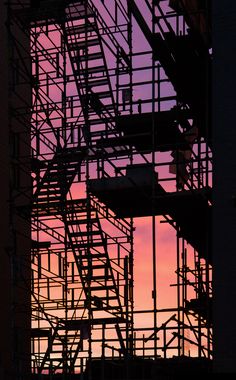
{"x":14,"y":231}
{"x":5,"y":269}
{"x":224,"y":186}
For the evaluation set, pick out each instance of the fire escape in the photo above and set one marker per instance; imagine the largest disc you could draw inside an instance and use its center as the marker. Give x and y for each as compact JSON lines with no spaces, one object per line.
{"x":94,"y":171}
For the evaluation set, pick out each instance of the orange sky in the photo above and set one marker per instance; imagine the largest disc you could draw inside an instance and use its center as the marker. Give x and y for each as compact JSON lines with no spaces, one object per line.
{"x":165,"y":234}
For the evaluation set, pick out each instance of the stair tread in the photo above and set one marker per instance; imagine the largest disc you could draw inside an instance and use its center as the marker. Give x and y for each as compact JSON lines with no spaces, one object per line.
{"x":89,"y":57}
{"x":91,"y":244}
{"x":104,"y":298}
{"x":94,"y":267}
{"x":92,"y":256}
{"x":82,"y":221}
{"x":88,"y":27}
{"x":104,"y":94}
{"x":96,"y":83}
{"x":47,"y":190}
{"x":52,"y":198}
{"x":101,"y":277}
{"x":102,"y":287}
{"x":84,"y":44}
{"x":85,"y":233}
{"x":94,"y":69}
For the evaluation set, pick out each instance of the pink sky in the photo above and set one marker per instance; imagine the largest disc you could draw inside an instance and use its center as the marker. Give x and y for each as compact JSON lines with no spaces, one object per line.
{"x":166,"y":235}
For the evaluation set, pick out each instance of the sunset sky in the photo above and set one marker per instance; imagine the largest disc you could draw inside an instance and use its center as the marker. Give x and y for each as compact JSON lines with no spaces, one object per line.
{"x":166,"y":242}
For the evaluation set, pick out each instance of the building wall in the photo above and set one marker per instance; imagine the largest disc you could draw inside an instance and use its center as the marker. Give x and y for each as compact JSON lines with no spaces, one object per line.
{"x":14,"y":231}
{"x":224,"y":194}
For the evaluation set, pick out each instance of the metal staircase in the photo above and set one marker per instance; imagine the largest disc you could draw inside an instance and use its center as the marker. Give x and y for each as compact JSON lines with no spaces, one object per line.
{"x":86,"y":51}
{"x":58,"y":177}
{"x":89,"y":244}
{"x":83,"y":229}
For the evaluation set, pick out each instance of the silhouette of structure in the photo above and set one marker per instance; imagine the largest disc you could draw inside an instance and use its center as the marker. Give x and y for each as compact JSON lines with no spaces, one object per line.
{"x":87,"y":157}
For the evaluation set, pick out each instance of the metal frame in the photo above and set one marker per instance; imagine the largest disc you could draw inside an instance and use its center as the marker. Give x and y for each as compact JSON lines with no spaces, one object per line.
{"x":85,"y":71}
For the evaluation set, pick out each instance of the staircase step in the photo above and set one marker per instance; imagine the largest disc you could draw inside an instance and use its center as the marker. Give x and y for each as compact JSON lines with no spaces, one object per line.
{"x":89,"y":57}
{"x":98,"y":120}
{"x":79,"y":29}
{"x":82,"y":221}
{"x":79,"y":211}
{"x":79,"y":202}
{"x":56,"y":178}
{"x":117,"y":308}
{"x":91,"y":245}
{"x":92,"y":256}
{"x":45,"y":185}
{"x":112,"y":298}
{"x":94,"y":267}
{"x":45,"y":212}
{"x":49,"y":199}
{"x":37,"y":164}
{"x":47,"y":191}
{"x":85,"y":233}
{"x":53,"y":199}
{"x":102,"y":288}
{"x":104,"y":94}
{"x":57,"y":170}
{"x":79,"y":207}
{"x":84,"y":44}
{"x":38,"y":196}
{"x":72,"y":159}
{"x":96,"y":83}
{"x":101,"y":277}
{"x":93,"y":70}
{"x":81,"y":12}
{"x":69,"y":167}
{"x":59,"y":161}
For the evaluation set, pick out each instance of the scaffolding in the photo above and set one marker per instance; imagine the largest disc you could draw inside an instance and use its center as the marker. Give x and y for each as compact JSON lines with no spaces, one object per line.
{"x":102,"y":156}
